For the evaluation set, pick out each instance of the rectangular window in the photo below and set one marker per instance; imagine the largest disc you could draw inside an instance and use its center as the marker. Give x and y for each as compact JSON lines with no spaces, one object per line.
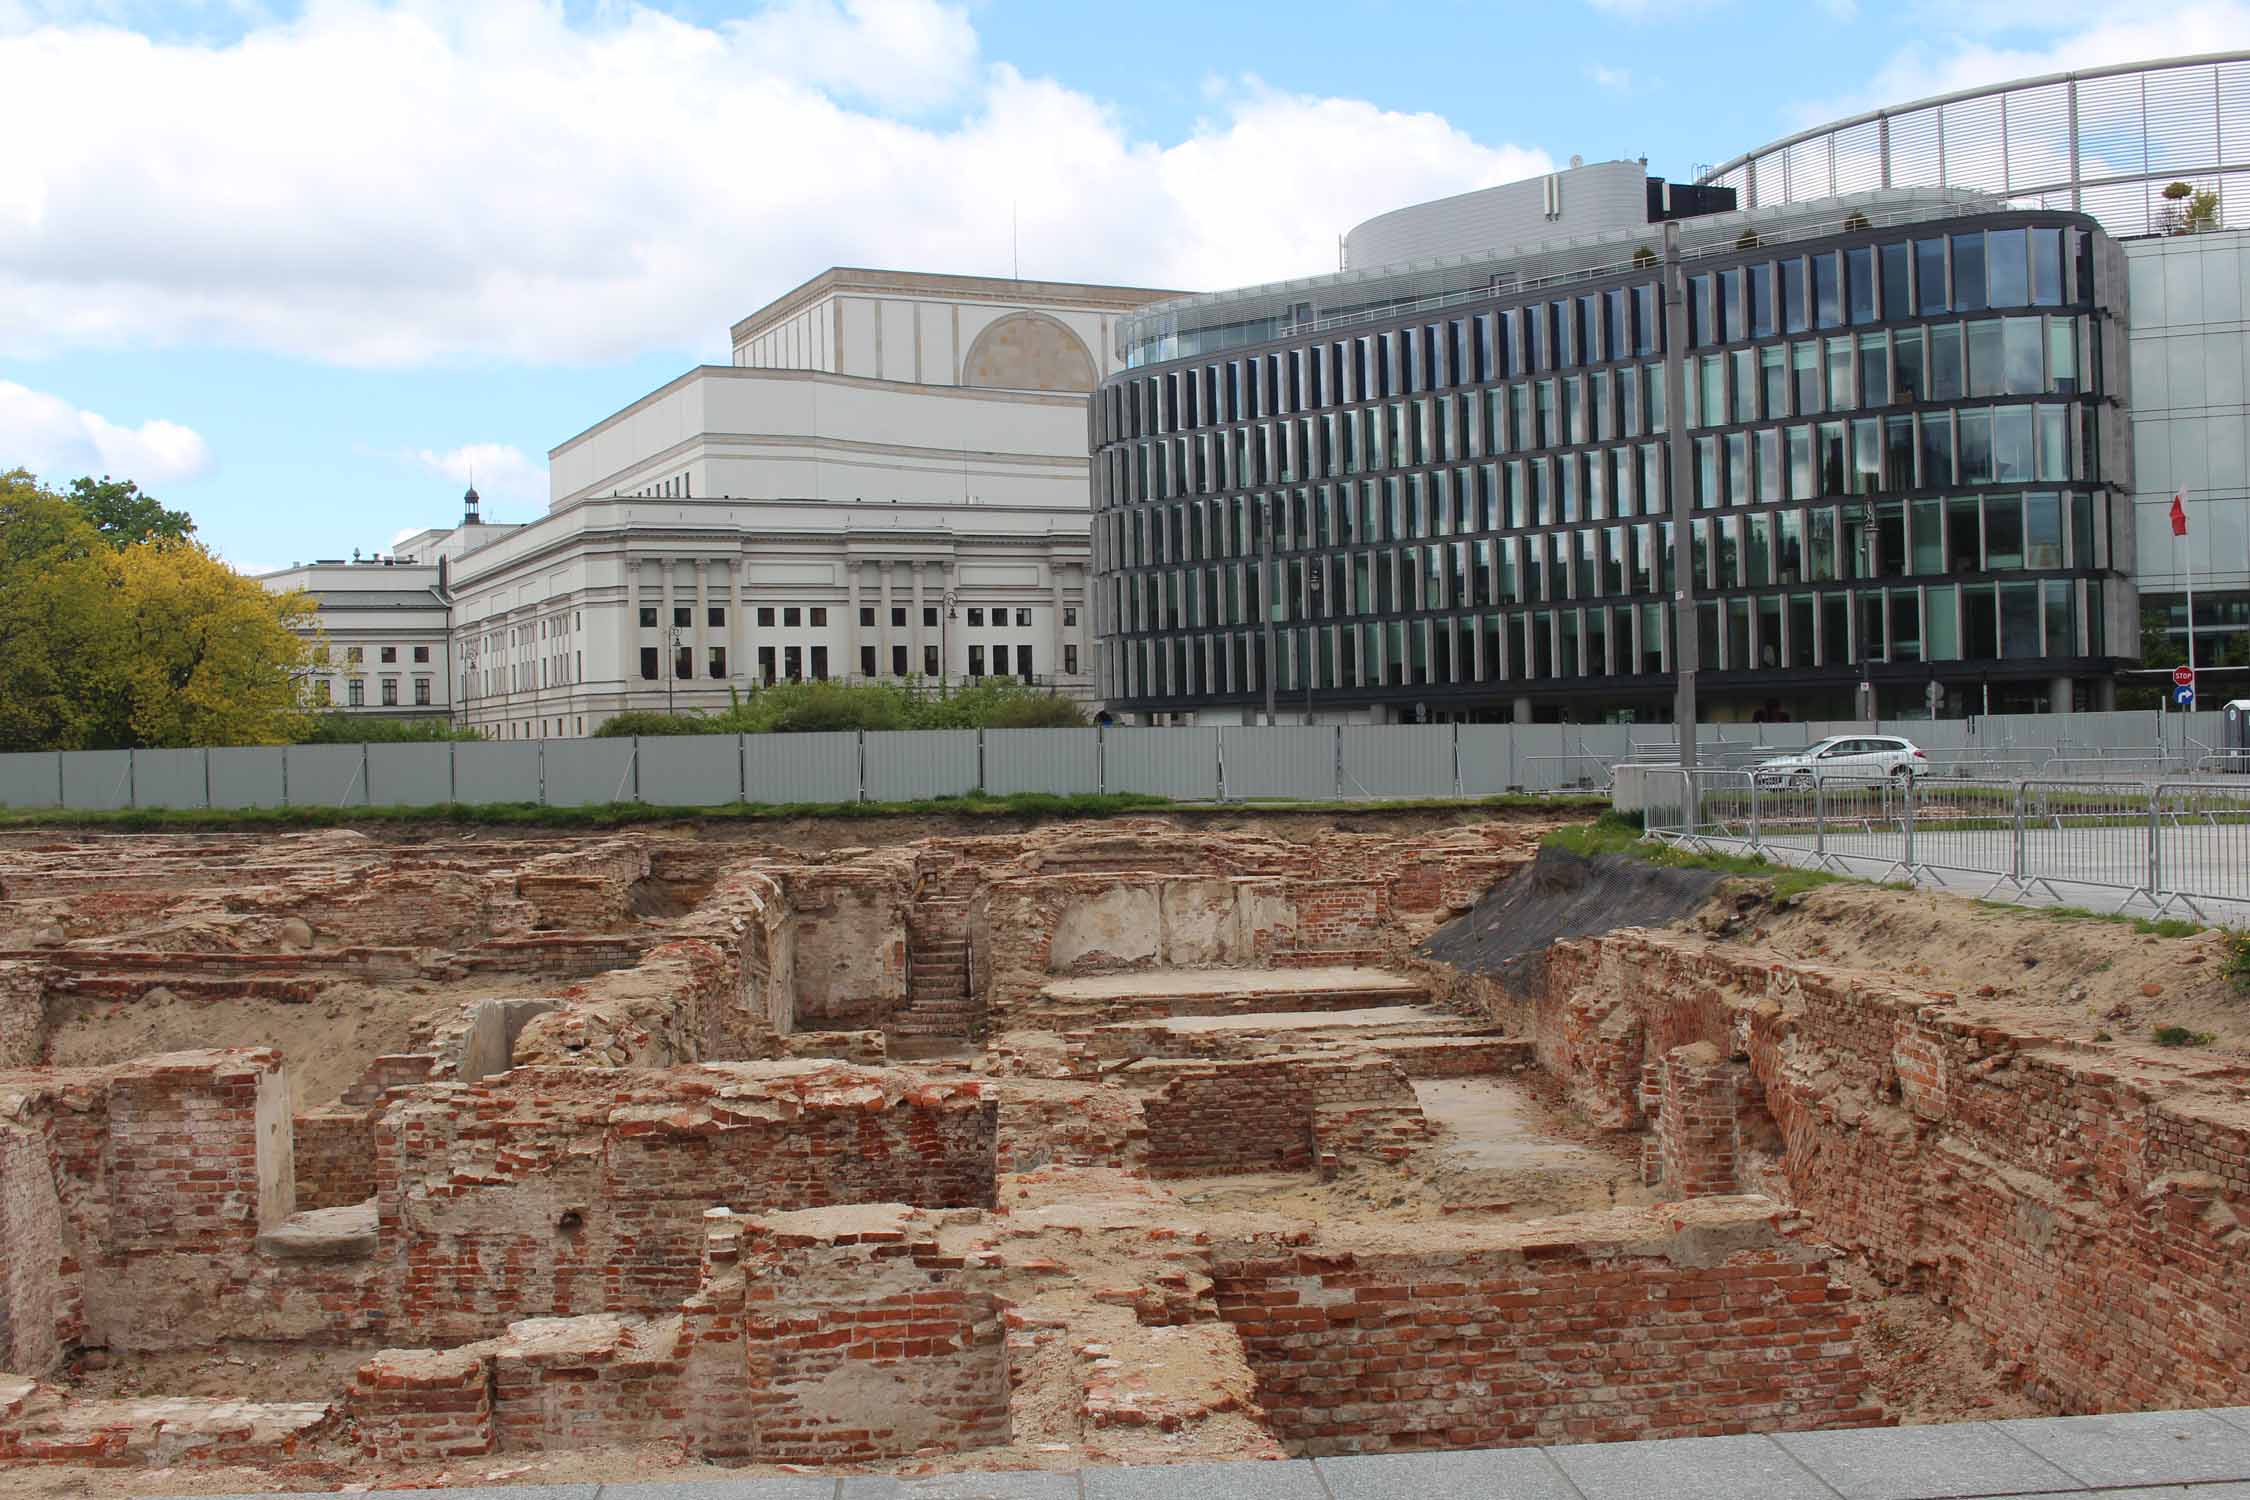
{"x":1929,"y":277}
{"x":2007,"y":269}
{"x":354,"y":655}
{"x":999,"y":661}
{"x":421,"y":692}
{"x":1796,"y":307}
{"x":929,"y":617}
{"x":1859,"y":283}
{"x":976,"y":618}
{"x":1070,"y":661}
{"x":898,"y":615}
{"x":929,"y":661}
{"x":355,"y":693}
{"x":867,"y":661}
{"x":389,"y":653}
{"x":683,"y":615}
{"x":683,"y":663}
{"x":715,"y":616}
{"x":819,"y":617}
{"x":866,"y":616}
{"x":421,"y":655}
{"x":648,"y":663}
{"x":717,"y":662}
{"x":792,"y":617}
{"x":1762,"y":317}
{"x":1968,"y":273}
{"x":766,"y":665}
{"x":648,"y":616}
{"x":1828,"y":301}
{"x":1896,"y":303}
{"x":898,"y":661}
{"x":1023,"y":618}
{"x":765,"y":619}
{"x":390,"y":692}
{"x":793,"y":663}
{"x":976,"y":661}
{"x":2046,"y":268}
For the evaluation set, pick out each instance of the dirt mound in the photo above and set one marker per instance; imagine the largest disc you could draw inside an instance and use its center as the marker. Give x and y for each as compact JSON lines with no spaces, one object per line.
{"x":2104,"y":980}
{"x":1563,"y":895}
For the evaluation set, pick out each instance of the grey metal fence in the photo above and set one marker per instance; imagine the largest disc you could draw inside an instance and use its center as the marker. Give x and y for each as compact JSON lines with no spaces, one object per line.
{"x":2159,"y":843}
{"x":1295,"y":762}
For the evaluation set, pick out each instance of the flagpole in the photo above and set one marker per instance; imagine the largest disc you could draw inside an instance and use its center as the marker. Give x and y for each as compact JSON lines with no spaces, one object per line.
{"x":2190,"y":589}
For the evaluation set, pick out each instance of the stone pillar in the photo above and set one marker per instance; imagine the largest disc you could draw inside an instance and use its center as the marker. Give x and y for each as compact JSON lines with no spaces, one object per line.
{"x":701,"y":655}
{"x":914,"y":618}
{"x":744,"y":667}
{"x":2058,"y":695}
{"x":852,"y":639}
{"x":883,"y":640}
{"x":1055,"y":574}
{"x":630,"y":636}
{"x":1523,"y":710}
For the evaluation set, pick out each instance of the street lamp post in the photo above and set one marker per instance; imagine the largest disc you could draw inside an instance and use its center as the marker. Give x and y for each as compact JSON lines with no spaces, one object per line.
{"x":1313,"y":586}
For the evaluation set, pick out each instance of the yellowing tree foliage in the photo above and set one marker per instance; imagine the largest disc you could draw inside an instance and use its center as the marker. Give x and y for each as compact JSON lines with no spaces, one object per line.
{"x":152,"y":643}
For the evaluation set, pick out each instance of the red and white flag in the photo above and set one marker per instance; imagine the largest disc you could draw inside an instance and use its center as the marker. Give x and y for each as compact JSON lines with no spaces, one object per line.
{"x":2179,"y":514}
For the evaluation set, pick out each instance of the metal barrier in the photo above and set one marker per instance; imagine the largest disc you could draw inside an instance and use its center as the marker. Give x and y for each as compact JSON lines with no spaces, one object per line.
{"x":2163,"y":844}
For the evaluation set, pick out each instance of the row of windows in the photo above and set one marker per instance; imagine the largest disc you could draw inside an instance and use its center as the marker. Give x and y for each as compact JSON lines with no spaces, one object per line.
{"x":1898,"y":454}
{"x":1970,"y":271}
{"x":2031,"y":531}
{"x":796,"y":663}
{"x":1811,"y":377}
{"x":357,"y":655}
{"x":792,"y":616}
{"x":1837,"y":629}
{"x":355,"y":692}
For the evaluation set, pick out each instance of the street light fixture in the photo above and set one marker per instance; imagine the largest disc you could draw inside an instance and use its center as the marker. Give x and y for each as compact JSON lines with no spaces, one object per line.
{"x":944,"y":655}
{"x":1314,"y":581}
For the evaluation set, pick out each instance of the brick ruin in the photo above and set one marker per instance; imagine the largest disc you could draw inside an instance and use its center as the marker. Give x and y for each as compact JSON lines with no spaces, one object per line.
{"x":1099,"y":1141}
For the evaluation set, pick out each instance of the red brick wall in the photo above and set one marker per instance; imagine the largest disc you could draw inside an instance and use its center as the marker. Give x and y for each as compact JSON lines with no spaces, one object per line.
{"x":2075,"y":1203}
{"x":1699,"y":1120}
{"x":1271,"y":1114}
{"x":23,"y":1013}
{"x":335,"y":1153}
{"x":423,"y":1405}
{"x":190,"y":1136}
{"x":1684,"y":1320}
{"x":554,"y":1191}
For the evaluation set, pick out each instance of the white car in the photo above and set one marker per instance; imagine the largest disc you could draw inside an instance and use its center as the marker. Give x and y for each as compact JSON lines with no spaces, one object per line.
{"x":1845,"y":757}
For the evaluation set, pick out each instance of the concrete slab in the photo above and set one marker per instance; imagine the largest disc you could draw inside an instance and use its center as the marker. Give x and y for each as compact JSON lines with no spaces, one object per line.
{"x":1016,"y":1485}
{"x":1922,"y":1463}
{"x":1739,"y":1468}
{"x":2138,"y":1447}
{"x":1488,"y":1474}
{"x":790,"y":1488}
{"x":1292,"y":1480}
{"x":1372,"y":1018}
{"x":1182,"y":983}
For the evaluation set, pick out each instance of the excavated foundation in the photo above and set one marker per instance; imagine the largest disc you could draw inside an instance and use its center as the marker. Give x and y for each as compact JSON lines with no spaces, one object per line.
{"x":1101,"y":1142}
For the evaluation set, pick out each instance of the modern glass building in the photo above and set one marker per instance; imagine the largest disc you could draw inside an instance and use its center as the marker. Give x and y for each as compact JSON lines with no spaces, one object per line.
{"x":1446,"y":489}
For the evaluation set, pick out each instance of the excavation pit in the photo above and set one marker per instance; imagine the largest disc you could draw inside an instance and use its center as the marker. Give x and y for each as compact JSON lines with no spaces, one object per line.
{"x":1092,"y":1143}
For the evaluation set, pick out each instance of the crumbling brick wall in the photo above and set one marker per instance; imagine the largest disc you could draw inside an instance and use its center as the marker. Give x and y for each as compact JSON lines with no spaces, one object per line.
{"x":1702,"y":1097}
{"x":554,"y":1192}
{"x":2078,"y":1206}
{"x":335,"y":1157}
{"x":35,"y":1296}
{"x":23,"y":1013}
{"x":585,"y":889}
{"x":1683,"y":1320}
{"x":1272,"y":1114}
{"x":848,"y":945}
{"x":1055,"y":1123}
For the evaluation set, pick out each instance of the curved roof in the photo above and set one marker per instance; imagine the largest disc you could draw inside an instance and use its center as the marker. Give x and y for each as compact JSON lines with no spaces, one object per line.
{"x":2104,"y":141}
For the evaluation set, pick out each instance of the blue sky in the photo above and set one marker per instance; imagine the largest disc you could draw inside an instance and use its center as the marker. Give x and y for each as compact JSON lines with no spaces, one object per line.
{"x":299,"y":267}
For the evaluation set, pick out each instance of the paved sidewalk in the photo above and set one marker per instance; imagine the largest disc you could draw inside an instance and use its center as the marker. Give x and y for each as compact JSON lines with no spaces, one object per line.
{"x":2183,"y":1455}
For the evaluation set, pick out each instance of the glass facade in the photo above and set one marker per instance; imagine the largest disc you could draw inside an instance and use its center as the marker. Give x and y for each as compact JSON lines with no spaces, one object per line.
{"x":1893,"y":462}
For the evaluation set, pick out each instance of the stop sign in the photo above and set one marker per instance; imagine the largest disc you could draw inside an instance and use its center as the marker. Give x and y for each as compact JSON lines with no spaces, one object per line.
{"x":2184,"y":676}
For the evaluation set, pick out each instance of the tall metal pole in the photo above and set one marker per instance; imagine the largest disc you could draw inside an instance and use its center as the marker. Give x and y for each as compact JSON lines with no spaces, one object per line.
{"x":1684,"y":646}
{"x":1266,"y":596}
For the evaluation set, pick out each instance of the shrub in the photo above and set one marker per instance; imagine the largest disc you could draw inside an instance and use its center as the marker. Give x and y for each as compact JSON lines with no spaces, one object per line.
{"x":647,"y":722}
{"x":2180,"y":1036}
{"x":349,"y":729}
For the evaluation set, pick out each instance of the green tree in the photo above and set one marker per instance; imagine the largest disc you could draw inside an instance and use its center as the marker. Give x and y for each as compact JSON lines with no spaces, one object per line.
{"x":124,"y":515}
{"x":110,"y":644}
{"x":2187,"y":211}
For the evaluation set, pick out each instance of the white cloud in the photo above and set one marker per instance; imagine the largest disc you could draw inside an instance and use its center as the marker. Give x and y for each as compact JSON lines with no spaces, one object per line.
{"x":500,"y":471}
{"x":1963,"y":57}
{"x":1616,"y":80}
{"x":903,"y":53}
{"x":59,"y":442}
{"x":1641,"y":10}
{"x":390,"y":182}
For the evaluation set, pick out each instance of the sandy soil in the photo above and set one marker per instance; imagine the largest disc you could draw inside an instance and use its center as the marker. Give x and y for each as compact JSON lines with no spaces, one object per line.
{"x":2098,"y":980}
{"x":327,"y":1042}
{"x":1925,"y":1364}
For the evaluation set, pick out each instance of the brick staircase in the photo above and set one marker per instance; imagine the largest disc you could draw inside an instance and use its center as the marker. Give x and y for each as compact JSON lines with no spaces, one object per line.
{"x":940,"y":1004}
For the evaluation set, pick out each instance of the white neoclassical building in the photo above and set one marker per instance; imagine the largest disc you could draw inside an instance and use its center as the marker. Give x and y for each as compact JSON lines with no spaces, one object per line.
{"x":889,"y":481}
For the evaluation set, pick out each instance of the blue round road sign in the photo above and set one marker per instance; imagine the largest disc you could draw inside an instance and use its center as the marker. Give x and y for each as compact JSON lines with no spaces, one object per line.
{"x":2184,"y":696}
